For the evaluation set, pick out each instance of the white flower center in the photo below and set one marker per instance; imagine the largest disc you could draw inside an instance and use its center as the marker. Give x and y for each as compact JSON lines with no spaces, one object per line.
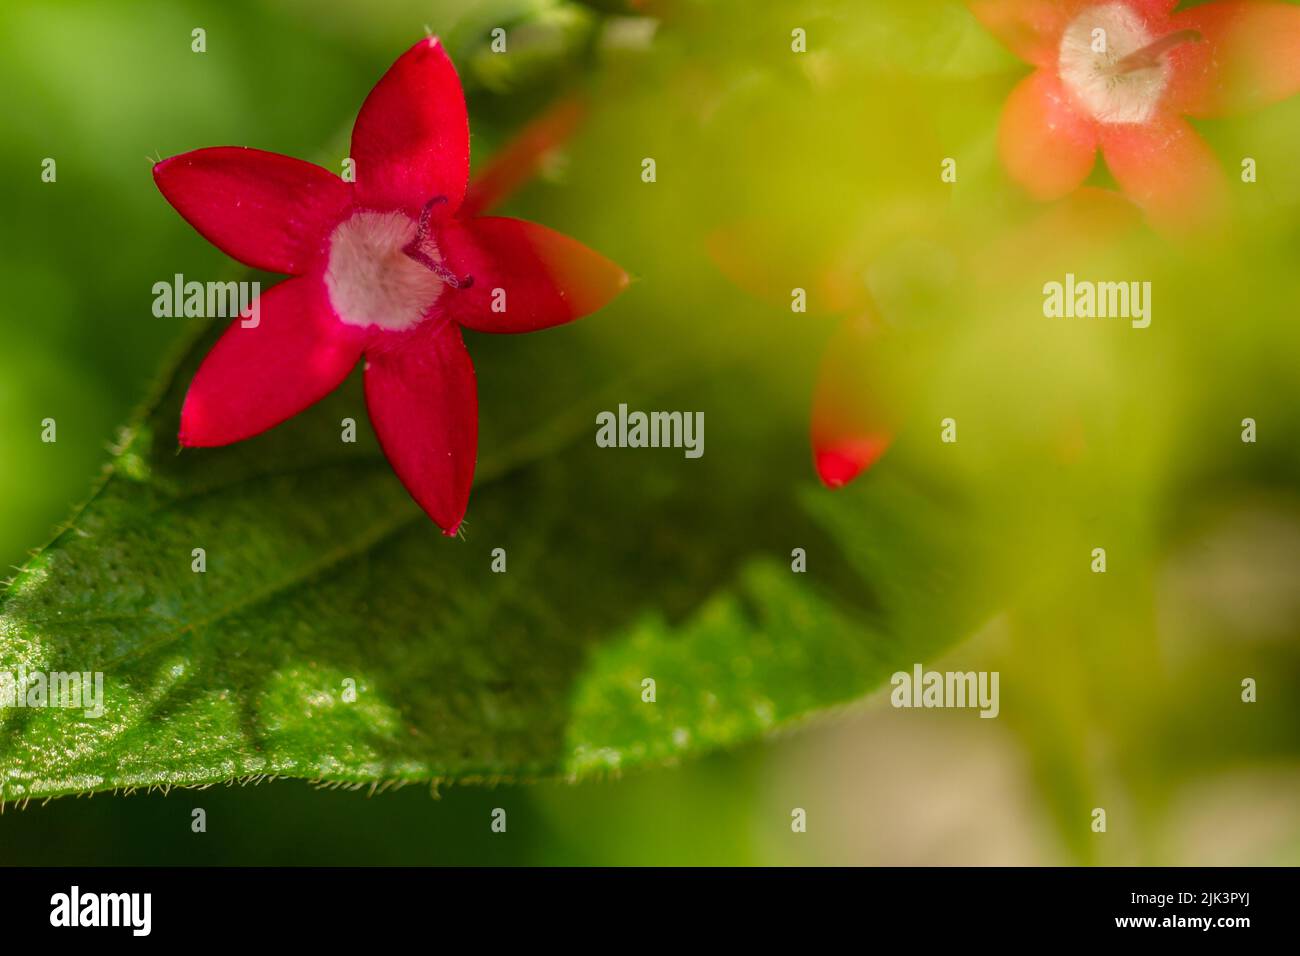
{"x":1091,"y":50}
{"x":371,"y":281}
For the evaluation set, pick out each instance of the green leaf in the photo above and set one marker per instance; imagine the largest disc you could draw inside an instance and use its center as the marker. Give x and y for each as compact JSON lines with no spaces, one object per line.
{"x":622,"y":565}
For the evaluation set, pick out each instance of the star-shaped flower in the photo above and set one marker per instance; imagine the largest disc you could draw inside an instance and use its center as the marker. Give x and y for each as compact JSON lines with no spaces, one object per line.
{"x":1120,"y":76}
{"x":386,"y":267}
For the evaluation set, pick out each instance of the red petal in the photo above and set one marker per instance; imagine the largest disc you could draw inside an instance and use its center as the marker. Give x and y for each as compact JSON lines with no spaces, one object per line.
{"x":424,"y":407}
{"x":539,"y":276}
{"x":1154,"y":10}
{"x":1047,"y":146}
{"x":1031,"y":29}
{"x":411,"y":138}
{"x":520,"y":159}
{"x":268,"y":211}
{"x":256,"y":377}
{"x":850,"y":428}
{"x":1249,"y":57}
{"x":1169,"y":171}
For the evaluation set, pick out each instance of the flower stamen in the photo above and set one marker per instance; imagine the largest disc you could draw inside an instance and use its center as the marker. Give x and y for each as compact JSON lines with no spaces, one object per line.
{"x":1113,"y":66}
{"x":1149,"y":56}
{"x":415,"y":248}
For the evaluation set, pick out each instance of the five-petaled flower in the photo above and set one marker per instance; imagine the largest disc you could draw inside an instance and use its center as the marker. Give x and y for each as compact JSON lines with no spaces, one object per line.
{"x":1120,"y":75}
{"x":382,"y":267}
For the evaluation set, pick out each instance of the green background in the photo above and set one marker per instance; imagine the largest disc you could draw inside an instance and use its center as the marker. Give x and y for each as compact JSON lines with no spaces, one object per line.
{"x":1119,"y":691}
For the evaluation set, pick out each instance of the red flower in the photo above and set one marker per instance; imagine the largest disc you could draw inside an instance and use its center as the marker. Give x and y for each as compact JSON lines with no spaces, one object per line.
{"x":388,"y":267}
{"x":1119,"y":76}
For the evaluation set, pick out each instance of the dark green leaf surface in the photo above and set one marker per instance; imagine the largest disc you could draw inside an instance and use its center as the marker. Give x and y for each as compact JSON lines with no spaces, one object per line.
{"x":622,"y":564}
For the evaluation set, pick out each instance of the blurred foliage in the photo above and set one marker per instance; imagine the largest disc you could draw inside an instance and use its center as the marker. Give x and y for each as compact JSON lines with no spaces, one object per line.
{"x":1119,"y":690}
